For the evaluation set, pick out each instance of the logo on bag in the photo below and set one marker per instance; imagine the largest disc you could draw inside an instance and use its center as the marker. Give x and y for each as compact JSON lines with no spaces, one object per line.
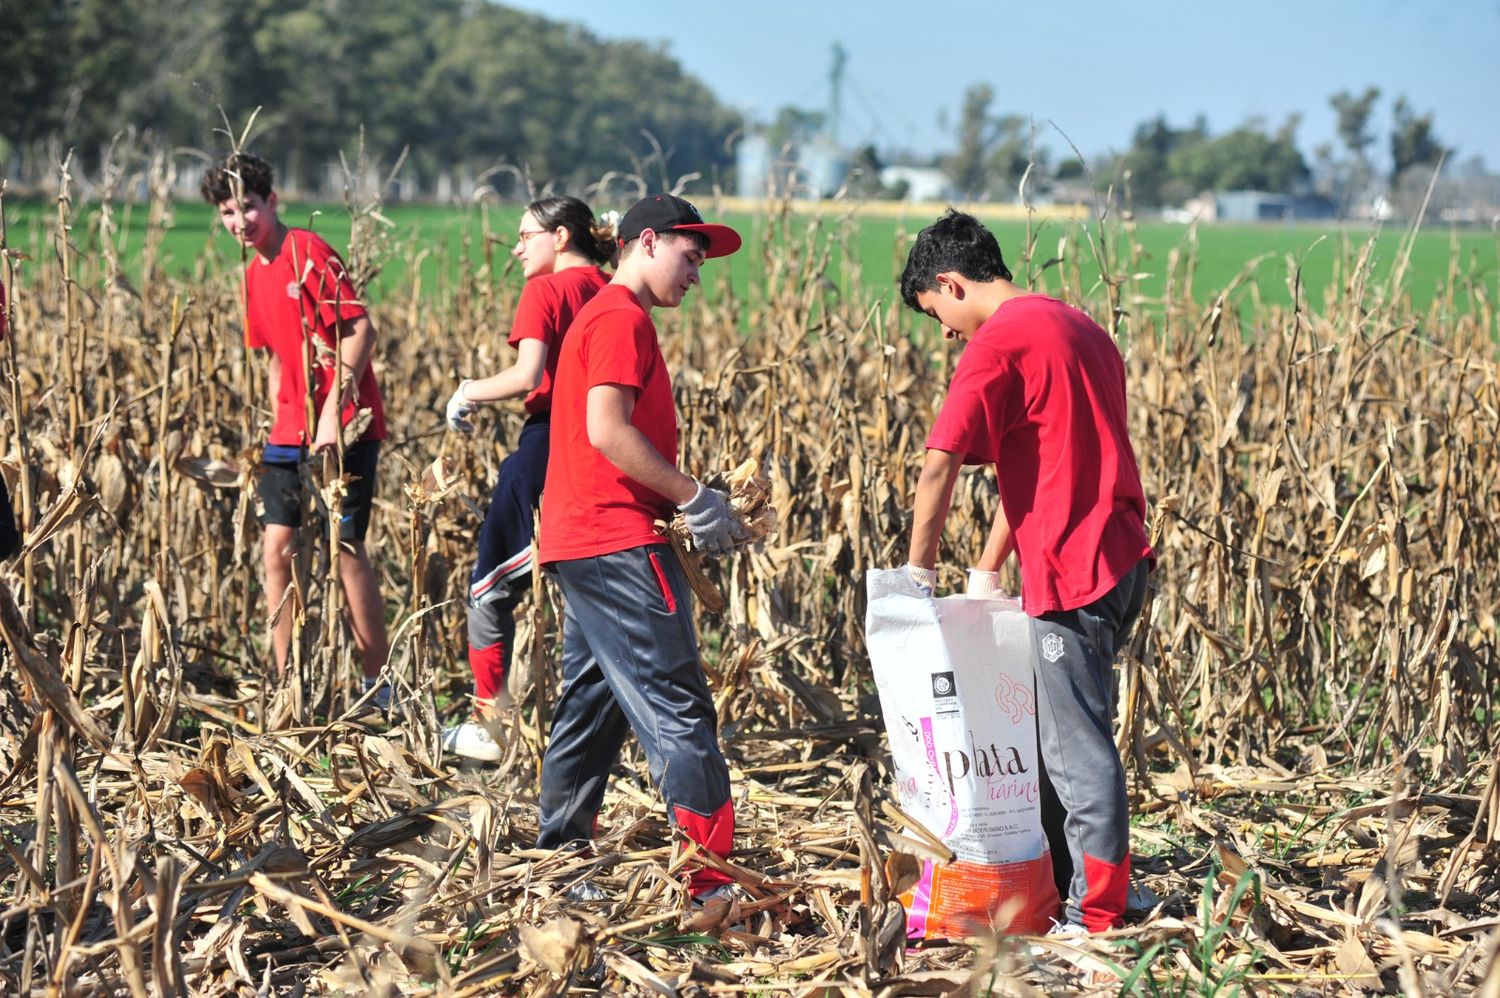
{"x":944,"y":694}
{"x":1014,"y":699}
{"x":1052,"y":647}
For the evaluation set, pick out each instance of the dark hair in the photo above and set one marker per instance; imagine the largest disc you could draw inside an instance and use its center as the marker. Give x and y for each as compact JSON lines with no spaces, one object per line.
{"x":955,"y":242}
{"x":670,"y":235}
{"x":235,"y":175}
{"x":595,"y":241}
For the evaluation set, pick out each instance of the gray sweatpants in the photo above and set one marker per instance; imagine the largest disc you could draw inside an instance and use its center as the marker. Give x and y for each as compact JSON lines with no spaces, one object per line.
{"x":1085,"y":812}
{"x":630,"y":663}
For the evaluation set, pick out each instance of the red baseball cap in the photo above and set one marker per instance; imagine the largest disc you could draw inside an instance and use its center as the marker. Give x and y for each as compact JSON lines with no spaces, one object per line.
{"x":668,"y":213}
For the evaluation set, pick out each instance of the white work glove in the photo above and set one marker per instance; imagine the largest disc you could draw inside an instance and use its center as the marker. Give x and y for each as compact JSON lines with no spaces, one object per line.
{"x":925,"y":579}
{"x":713,"y":525}
{"x":459,"y":410}
{"x":983,"y":585}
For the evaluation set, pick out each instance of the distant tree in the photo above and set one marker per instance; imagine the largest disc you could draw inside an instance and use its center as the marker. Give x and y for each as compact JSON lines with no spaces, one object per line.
{"x":460,"y":82}
{"x":34,"y":49}
{"x":1413,"y":143}
{"x":1354,"y":120}
{"x":1012,"y":154}
{"x":793,"y":126}
{"x":969,"y":165}
{"x":1152,"y":180}
{"x":1352,"y":178}
{"x":992,"y":151}
{"x":1245,"y":158}
{"x":1069,"y":169}
{"x":864,"y":173}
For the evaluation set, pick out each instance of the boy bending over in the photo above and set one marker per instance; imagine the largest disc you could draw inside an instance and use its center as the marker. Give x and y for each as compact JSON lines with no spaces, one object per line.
{"x":1040,"y":393}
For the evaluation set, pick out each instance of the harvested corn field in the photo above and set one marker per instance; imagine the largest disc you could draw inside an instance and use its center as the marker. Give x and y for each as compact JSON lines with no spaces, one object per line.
{"x":1308,"y":708}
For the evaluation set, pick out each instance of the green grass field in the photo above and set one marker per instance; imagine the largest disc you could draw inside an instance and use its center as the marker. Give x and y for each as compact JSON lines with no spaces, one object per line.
{"x":869,"y":250}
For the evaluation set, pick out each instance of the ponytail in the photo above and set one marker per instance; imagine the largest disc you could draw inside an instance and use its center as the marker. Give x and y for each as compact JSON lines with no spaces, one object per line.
{"x":594,"y":240}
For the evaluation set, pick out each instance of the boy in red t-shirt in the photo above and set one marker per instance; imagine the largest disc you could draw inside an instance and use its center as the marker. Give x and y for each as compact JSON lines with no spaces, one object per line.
{"x":630,"y":654}
{"x":301,"y":306}
{"x":1040,"y":393}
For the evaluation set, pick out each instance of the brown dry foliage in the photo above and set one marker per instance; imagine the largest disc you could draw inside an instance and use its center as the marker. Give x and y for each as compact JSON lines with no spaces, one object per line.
{"x":1310,"y":701}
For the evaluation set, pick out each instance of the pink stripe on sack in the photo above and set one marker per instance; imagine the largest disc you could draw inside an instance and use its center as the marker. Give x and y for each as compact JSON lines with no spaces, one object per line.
{"x":921,"y":903}
{"x":930,"y":744}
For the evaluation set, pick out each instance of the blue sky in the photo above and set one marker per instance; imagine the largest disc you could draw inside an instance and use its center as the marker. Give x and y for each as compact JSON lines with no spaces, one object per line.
{"x":1093,"y":67}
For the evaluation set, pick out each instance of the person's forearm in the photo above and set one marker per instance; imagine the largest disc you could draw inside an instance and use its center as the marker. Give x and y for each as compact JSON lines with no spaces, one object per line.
{"x":934,"y":496}
{"x":273,"y":380}
{"x":508,"y":384}
{"x":627,"y":448}
{"x":521,"y":378}
{"x":356,"y":346}
{"x":999,"y":545}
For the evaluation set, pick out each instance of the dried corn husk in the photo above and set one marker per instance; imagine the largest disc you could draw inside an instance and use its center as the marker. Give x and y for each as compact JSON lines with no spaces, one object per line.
{"x":356,"y":427}
{"x":439,"y":480}
{"x":750,"y":500}
{"x":211,"y":471}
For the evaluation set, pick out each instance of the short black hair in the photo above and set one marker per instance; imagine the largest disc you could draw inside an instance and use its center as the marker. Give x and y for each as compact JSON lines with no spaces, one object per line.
{"x":670,"y":235}
{"x":235,"y":175}
{"x":955,"y":242}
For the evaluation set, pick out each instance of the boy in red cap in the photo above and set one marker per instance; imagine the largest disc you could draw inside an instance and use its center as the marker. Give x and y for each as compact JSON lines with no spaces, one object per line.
{"x":302,"y":308}
{"x":1040,"y":393}
{"x":630,"y":654}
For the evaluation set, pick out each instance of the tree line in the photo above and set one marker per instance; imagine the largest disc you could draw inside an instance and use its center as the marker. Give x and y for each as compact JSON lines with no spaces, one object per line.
{"x":464,"y":85}
{"x":469,"y":88}
{"x":1166,"y":165}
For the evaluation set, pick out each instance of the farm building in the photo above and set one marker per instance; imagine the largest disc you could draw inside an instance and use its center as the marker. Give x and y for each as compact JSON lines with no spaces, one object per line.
{"x":923,"y":183}
{"x":1263,"y":206}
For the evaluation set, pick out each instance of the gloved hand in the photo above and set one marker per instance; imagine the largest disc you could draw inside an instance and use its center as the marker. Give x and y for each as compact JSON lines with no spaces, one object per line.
{"x":459,"y":409}
{"x":712,"y":523}
{"x":924,"y":579}
{"x":983,"y":585}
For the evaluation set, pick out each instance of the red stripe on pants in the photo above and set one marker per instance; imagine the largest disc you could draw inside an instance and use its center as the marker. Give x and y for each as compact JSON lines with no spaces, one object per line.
{"x":714,"y":834}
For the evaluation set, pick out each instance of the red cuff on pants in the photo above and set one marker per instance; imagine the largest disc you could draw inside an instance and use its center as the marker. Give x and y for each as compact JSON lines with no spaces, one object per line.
{"x":1103,"y":904}
{"x":488,"y":665}
{"x":715,"y":834}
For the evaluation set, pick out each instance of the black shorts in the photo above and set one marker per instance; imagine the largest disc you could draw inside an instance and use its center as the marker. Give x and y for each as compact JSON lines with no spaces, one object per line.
{"x":280,"y":491}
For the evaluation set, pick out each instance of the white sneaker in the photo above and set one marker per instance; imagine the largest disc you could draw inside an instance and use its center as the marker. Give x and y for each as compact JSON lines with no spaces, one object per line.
{"x":1067,"y":929}
{"x":586,"y":891}
{"x":726,"y":892}
{"x":1059,"y":929}
{"x":471,"y":740}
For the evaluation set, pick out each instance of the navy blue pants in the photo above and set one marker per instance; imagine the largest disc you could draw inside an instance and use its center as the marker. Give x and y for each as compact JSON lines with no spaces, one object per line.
{"x":1085,"y":811}
{"x":630,"y":662}
{"x":502,"y":571}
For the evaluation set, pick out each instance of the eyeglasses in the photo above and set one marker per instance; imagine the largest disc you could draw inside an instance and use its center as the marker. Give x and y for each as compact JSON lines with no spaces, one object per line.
{"x":526,"y":234}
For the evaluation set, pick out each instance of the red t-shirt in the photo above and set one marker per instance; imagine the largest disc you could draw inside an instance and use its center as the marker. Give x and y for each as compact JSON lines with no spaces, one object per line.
{"x":1040,"y":393}
{"x":547,"y":307}
{"x":589,"y":507}
{"x":305,"y":284}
